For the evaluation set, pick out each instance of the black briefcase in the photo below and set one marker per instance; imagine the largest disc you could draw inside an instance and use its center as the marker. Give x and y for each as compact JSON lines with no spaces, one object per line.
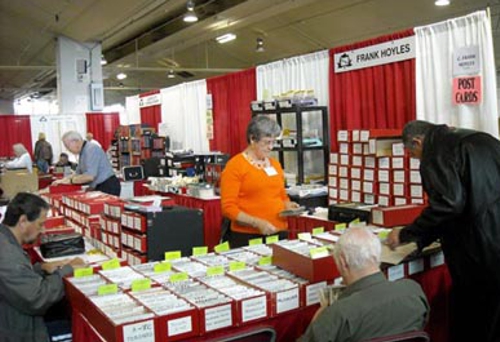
{"x":347,"y":212}
{"x":59,"y":245}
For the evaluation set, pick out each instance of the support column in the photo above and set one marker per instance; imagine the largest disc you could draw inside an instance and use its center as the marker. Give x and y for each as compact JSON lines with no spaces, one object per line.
{"x":79,"y":76}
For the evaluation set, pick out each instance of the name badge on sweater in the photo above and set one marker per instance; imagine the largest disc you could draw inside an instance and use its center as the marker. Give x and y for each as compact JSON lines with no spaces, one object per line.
{"x":270,"y":171}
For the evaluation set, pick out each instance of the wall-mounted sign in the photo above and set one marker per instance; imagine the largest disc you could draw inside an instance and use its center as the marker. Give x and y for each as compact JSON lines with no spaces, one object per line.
{"x":466,"y":61}
{"x":385,"y":53}
{"x":150,"y":100}
{"x":467,"y":90}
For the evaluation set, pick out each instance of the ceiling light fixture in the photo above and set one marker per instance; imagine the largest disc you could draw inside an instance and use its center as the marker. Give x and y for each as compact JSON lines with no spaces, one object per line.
{"x":260,"y":45}
{"x":171,"y":74}
{"x":442,"y":2}
{"x":103,"y":60}
{"x":121,"y":76}
{"x":190,"y":16}
{"x":225,"y":38}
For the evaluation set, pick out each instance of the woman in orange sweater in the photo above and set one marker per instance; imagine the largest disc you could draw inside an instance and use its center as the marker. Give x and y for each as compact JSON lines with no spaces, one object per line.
{"x":253,"y":187}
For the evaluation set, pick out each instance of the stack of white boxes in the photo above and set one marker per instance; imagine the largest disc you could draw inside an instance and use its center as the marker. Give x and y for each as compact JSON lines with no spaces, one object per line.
{"x":372,"y":167}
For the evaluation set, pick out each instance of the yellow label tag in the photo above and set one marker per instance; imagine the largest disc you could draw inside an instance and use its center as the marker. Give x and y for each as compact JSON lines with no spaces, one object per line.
{"x":383,"y":234}
{"x":169,"y":256}
{"x":199,"y":251}
{"x":83,"y":272}
{"x":318,"y":252}
{"x":356,"y":220}
{"x":266,"y":260}
{"x":223,"y":247}
{"x":272,"y":239}
{"x":215,"y":270}
{"x":141,"y":284}
{"x":107,"y":289}
{"x":304,"y":236}
{"x":111,"y":264}
{"x":162,"y":267}
{"x":318,"y":230}
{"x":237,"y":265}
{"x":253,"y":242}
{"x":340,"y":227}
{"x":178,"y":277}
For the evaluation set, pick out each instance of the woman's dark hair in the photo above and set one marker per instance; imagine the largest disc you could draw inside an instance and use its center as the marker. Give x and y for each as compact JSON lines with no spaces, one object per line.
{"x":262,"y":126}
{"x":24,"y":204}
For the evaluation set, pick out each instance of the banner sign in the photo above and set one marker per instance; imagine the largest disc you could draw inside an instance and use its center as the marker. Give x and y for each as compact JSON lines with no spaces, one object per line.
{"x":151,"y":100}
{"x":467,"y":90}
{"x":380,"y":54}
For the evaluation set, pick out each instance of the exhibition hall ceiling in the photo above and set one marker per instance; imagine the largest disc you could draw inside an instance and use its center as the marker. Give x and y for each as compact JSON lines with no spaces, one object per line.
{"x":146,"y":39}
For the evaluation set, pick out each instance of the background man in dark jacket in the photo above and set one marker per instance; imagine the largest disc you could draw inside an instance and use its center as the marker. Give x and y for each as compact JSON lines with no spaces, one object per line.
{"x":26,"y":291}
{"x":460,"y":172}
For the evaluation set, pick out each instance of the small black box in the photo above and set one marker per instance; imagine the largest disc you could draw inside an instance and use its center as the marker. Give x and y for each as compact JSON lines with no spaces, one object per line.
{"x":132,"y":173}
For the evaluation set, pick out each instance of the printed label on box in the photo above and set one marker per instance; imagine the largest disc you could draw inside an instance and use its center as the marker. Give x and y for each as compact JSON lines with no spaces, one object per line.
{"x":253,"y":308}
{"x":398,"y":163}
{"x":332,"y":170}
{"x":287,"y":300}
{"x":357,"y":148}
{"x":400,"y":201}
{"x":356,"y":173}
{"x":369,"y":199}
{"x":396,"y":272}
{"x":356,"y":185}
{"x":398,"y":149}
{"x":334,"y":158}
{"x":370,"y":162}
{"x":344,"y":159}
{"x":355,"y":135}
{"x":139,"y":332}
{"x":179,"y":326}
{"x":369,"y":174}
{"x":384,"y":188}
{"x":343,"y":135}
{"x":218,"y":317}
{"x":384,"y":162}
{"x":416,"y":191}
{"x":344,"y":149}
{"x":344,"y":183}
{"x":383,"y":175}
{"x":437,"y":259}
{"x":357,"y":161}
{"x":332,"y":181}
{"x":399,"y":176}
{"x":415,"y":177}
{"x":312,"y":292}
{"x":415,"y":266}
{"x":398,"y":189}
{"x":414,"y":163}
{"x":343,"y":172}
{"x":355,"y":196}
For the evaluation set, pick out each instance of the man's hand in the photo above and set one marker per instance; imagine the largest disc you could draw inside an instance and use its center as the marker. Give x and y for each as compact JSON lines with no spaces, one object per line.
{"x":77,"y":263}
{"x":65,"y":180}
{"x":393,"y":238}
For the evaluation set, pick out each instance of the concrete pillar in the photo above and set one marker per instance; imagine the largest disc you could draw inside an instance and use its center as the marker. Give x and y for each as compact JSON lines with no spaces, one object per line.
{"x":79,"y":76}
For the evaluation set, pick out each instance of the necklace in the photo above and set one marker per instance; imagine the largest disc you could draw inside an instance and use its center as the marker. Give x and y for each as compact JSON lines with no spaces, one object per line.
{"x":260,"y":164}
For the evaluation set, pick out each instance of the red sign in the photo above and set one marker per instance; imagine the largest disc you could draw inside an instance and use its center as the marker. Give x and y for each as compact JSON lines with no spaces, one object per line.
{"x":467,"y":90}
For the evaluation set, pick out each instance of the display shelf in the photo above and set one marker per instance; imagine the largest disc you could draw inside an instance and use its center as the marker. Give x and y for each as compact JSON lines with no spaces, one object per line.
{"x":305,"y":144}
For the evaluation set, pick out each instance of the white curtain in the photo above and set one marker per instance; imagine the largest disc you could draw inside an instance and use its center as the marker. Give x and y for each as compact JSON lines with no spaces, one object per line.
{"x":184,"y":115}
{"x":297,"y":73}
{"x":132,"y":113}
{"x":435,"y":46}
{"x":54,"y":126}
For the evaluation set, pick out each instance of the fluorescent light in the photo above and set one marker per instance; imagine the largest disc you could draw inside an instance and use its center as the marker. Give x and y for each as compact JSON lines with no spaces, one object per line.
{"x":442,"y":2}
{"x":103,"y":60}
{"x":260,"y":45}
{"x":171,"y":74}
{"x":225,"y":38}
{"x":121,"y":76}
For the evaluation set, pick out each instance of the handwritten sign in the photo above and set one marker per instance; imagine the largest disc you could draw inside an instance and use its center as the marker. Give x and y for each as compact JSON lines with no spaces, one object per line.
{"x":467,"y":90}
{"x":84,"y":272}
{"x":199,"y":251}
{"x":223,"y":247}
{"x":272,"y":239}
{"x":111,"y":264}
{"x":169,"y":256}
{"x":253,"y":242}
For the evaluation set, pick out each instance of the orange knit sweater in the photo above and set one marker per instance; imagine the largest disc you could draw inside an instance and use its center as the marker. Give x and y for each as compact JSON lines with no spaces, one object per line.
{"x":249,"y":189}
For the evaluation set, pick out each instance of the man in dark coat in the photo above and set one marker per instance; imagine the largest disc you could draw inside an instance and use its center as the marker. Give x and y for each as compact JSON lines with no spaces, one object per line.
{"x":460,"y":172}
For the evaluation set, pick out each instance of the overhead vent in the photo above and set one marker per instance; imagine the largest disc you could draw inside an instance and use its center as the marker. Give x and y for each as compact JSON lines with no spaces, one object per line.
{"x":184,"y":74}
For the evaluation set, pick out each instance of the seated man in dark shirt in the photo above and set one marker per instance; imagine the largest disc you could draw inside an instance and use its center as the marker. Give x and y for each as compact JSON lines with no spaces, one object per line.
{"x":370,"y":306}
{"x":64,"y":161}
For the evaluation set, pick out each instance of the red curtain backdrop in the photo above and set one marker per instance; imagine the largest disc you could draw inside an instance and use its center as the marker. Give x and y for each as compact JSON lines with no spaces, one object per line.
{"x":151,"y":115}
{"x":15,"y":129}
{"x":377,"y":97}
{"x":231,"y":97}
{"x":103,"y":126}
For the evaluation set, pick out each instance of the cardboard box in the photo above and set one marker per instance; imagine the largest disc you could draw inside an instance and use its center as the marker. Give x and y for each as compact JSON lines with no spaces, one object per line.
{"x":14,"y":181}
{"x":396,"y":216}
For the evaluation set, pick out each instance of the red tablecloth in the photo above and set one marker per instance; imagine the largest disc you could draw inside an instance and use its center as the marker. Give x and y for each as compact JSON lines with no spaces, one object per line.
{"x":212,"y":215}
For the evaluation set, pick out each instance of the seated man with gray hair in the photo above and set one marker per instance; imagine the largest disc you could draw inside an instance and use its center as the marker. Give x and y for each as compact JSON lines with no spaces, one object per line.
{"x":370,"y":306}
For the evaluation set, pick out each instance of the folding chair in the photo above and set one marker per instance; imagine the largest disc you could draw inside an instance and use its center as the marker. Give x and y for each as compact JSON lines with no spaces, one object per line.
{"x":412,"y":336}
